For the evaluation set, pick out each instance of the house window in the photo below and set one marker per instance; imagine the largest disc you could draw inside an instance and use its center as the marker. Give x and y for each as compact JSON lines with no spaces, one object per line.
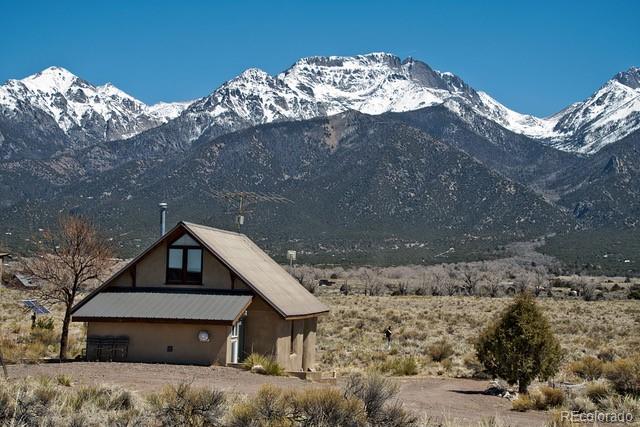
{"x":184,"y":261}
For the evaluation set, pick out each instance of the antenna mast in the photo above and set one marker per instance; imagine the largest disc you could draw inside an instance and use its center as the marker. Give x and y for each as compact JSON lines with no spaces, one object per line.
{"x":241,"y":201}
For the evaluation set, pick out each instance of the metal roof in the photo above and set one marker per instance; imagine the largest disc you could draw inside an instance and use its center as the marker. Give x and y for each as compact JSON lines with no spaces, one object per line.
{"x":225,"y":308}
{"x":259,"y":271}
{"x":251,"y":264}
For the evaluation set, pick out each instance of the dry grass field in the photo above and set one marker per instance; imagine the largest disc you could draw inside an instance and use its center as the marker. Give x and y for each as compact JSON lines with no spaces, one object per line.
{"x":19,"y":342}
{"x":438,"y":332}
{"x":433,"y":340}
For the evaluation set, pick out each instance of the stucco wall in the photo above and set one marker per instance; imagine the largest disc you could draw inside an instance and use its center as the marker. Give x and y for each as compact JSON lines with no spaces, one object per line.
{"x":266,"y":332}
{"x":148,"y":341}
{"x":151,"y":270}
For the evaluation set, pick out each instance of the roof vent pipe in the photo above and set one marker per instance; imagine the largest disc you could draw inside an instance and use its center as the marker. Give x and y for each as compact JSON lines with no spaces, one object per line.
{"x":163,"y":217}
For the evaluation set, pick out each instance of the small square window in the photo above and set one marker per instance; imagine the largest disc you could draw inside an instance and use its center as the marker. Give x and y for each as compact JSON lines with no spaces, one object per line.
{"x":169,"y":349}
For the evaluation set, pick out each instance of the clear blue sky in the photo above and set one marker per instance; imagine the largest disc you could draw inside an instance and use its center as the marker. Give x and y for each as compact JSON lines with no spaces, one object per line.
{"x":535,"y":57}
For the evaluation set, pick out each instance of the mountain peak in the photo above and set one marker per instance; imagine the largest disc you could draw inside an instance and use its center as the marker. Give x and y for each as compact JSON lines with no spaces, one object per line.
{"x":51,"y":79}
{"x":630,"y":77}
{"x":380,"y":58}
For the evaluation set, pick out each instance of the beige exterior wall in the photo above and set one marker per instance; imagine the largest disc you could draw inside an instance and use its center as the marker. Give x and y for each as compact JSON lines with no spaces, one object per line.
{"x":309,"y":343}
{"x":266,"y":332}
{"x":151,"y":271}
{"x":148,"y":341}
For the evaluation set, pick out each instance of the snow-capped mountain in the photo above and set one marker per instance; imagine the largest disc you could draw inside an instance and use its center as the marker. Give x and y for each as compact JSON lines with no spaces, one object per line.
{"x":84,"y":112}
{"x":313,"y":87}
{"x":607,"y":116}
{"x":377,"y":83}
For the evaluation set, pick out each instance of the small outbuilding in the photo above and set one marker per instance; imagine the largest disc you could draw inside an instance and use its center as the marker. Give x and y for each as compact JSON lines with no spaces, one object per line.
{"x":201,"y":295}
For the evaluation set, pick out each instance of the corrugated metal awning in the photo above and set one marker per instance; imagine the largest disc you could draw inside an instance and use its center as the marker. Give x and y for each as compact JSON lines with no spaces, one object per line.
{"x":163,"y":306}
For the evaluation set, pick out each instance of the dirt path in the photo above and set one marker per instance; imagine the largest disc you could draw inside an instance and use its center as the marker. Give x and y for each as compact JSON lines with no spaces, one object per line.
{"x":433,"y":398}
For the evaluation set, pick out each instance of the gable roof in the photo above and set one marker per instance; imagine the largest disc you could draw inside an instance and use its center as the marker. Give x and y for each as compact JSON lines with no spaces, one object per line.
{"x":248,"y":262}
{"x":259,"y":271}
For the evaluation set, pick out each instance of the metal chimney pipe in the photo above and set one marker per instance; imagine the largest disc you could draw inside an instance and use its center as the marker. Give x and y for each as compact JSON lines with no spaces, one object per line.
{"x":163,"y":218}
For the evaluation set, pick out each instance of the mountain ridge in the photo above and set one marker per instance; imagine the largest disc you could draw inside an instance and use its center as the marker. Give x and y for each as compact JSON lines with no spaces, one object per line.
{"x":317,"y":86}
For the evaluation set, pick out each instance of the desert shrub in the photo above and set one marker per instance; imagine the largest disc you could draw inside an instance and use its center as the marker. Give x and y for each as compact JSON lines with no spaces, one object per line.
{"x":634,"y":292}
{"x":622,"y":404}
{"x":184,"y":405}
{"x":25,"y":404}
{"x":92,"y":395}
{"x":6,"y":405}
{"x":520,"y":346}
{"x":581,"y":404}
{"x":394,"y":415}
{"x":597,"y":392}
{"x":542,"y":399}
{"x":440,"y":350}
{"x":270,"y":366}
{"x":43,"y":336}
{"x":120,"y":400}
{"x":254,"y":359}
{"x":44,"y":323}
{"x":624,"y":375}
{"x":326,"y":407}
{"x":471,"y":362}
{"x":64,"y":380}
{"x":399,"y":366}
{"x":272,"y":406}
{"x":607,"y":354}
{"x":267,"y":408}
{"x":588,"y":368}
{"x":552,"y":397}
{"x":376,"y":393}
{"x":523,"y":403}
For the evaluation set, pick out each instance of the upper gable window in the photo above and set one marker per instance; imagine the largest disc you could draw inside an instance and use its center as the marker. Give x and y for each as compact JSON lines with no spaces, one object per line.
{"x":184,"y":261}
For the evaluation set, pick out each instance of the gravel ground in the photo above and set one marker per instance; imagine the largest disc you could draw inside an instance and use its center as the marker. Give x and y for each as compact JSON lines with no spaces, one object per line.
{"x":433,"y":398}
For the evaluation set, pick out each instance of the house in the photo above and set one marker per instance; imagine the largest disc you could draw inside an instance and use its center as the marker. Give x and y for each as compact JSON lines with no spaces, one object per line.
{"x":201,"y":295}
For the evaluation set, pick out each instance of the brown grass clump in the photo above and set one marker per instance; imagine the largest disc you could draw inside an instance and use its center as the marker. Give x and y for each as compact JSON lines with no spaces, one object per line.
{"x":43,"y":401}
{"x":552,"y":397}
{"x":273,"y":406}
{"x":624,"y":375}
{"x":440,"y":350}
{"x":523,"y":403}
{"x":588,"y":368}
{"x":597,"y":392}
{"x":185,"y":405}
{"x":542,"y":399}
{"x":269,"y":366}
{"x":399,"y":366}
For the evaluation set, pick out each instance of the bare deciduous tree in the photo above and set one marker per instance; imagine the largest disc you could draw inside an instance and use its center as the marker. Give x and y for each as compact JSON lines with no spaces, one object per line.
{"x":371,"y":281}
{"x":66,"y":262}
{"x":471,"y":279}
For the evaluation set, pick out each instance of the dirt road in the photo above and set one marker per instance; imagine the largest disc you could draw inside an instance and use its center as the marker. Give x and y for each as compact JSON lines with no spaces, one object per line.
{"x":433,"y":398}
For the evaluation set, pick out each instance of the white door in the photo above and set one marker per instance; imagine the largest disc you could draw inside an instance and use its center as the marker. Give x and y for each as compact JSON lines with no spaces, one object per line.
{"x":235,"y":342}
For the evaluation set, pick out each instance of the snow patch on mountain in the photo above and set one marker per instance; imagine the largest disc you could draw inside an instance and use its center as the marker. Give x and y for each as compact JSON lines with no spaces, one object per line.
{"x":166,"y":111}
{"x":104,"y":112}
{"x":377,"y":83}
{"x":320,"y":86}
